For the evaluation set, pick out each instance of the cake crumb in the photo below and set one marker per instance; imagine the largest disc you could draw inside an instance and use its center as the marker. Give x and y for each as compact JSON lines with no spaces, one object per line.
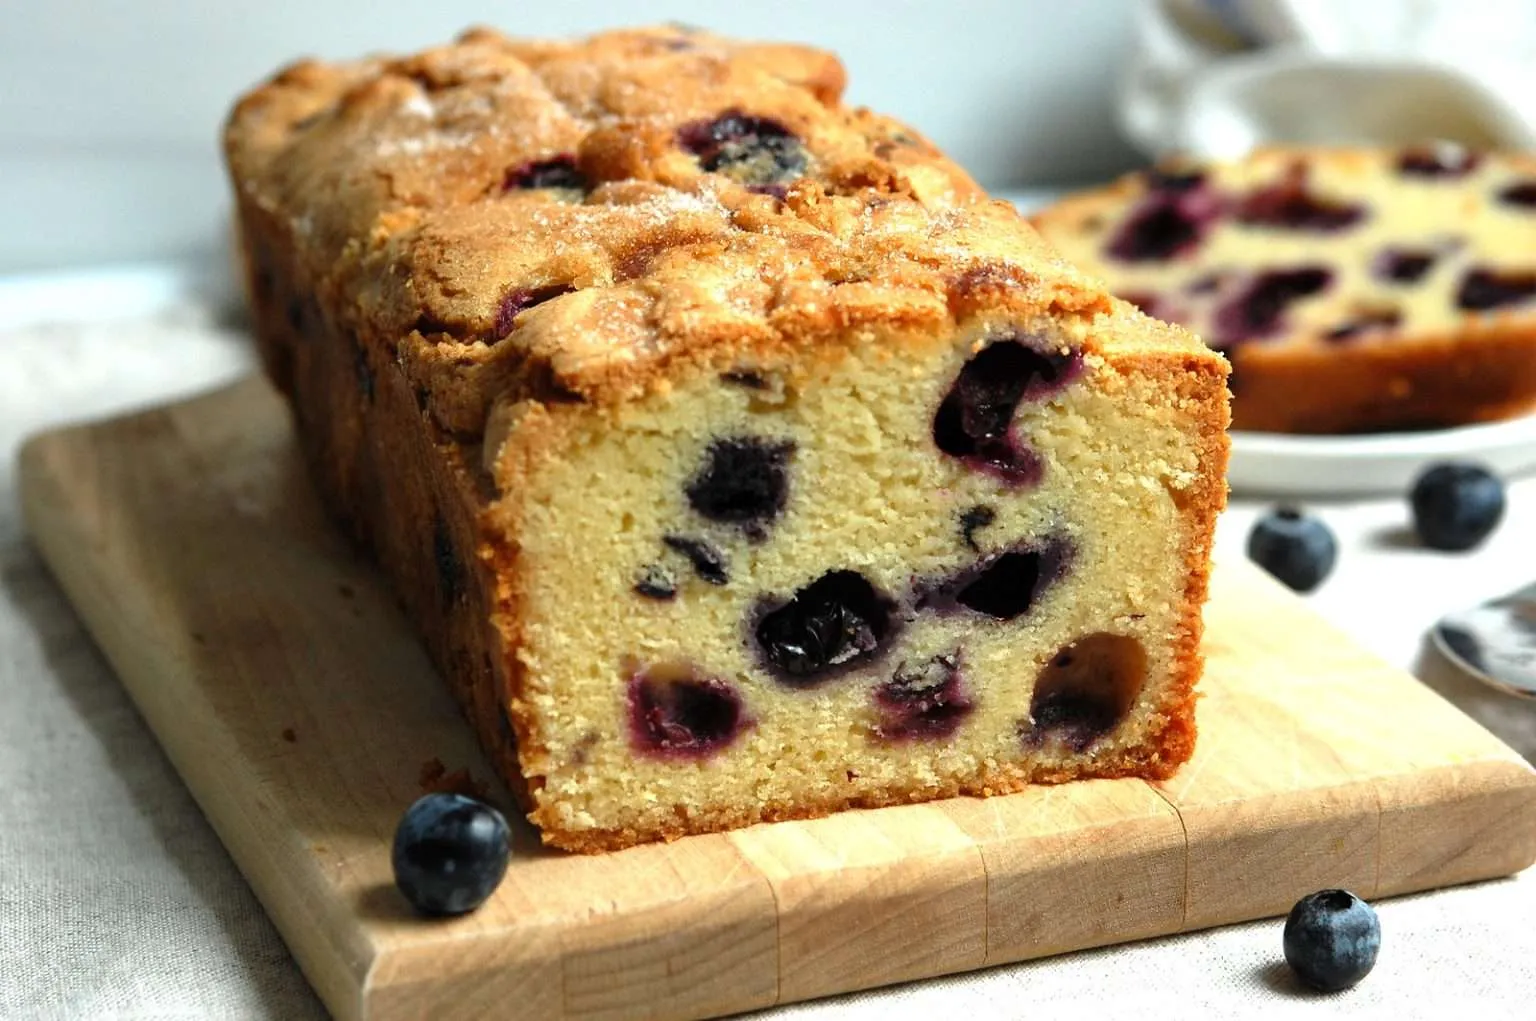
{"x":435,"y":778}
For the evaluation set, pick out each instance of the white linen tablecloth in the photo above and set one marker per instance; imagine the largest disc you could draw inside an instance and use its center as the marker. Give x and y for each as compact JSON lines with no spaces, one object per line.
{"x":118,"y":901}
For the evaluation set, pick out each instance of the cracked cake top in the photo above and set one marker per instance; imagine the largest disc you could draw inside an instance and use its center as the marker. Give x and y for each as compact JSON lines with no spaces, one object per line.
{"x":576,"y":219}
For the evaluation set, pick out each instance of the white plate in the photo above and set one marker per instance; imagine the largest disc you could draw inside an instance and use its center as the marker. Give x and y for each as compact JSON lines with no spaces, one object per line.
{"x":1276,"y":463}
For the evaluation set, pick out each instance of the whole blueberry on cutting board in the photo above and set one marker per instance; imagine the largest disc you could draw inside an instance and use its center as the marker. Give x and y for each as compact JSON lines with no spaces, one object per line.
{"x":1296,"y":548}
{"x":450,"y":853}
{"x":1456,"y":505}
{"x":1331,"y":939}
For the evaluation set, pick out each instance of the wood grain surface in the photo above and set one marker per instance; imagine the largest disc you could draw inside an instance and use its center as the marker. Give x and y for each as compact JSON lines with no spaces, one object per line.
{"x":274,"y":667}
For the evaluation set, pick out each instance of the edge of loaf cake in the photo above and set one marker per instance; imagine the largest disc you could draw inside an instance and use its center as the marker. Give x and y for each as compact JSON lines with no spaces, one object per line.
{"x":383,"y":304}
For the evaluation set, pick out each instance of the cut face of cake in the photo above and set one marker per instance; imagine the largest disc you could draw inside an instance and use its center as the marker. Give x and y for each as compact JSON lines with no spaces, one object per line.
{"x":921,"y":567}
{"x":1352,"y":289}
{"x":737,"y":457}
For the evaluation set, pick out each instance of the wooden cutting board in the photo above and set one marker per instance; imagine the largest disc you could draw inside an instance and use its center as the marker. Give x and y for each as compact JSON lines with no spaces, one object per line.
{"x":286,"y":687}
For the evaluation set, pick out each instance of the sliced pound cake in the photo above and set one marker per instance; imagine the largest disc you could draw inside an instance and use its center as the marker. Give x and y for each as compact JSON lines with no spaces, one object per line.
{"x":738,"y":459}
{"x":1353,"y":290}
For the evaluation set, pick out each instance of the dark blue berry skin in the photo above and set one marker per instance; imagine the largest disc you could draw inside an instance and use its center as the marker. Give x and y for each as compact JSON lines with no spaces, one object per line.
{"x":450,"y":853}
{"x":1296,"y":548}
{"x":1456,"y":506}
{"x":830,"y":625}
{"x":1331,"y":939}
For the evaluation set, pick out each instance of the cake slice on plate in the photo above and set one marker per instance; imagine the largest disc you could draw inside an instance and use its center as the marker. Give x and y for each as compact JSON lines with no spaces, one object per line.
{"x":1354,"y":290}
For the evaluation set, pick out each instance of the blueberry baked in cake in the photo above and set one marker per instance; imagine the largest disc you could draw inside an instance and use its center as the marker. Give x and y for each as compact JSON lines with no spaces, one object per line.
{"x":737,"y":457}
{"x":1353,"y":290}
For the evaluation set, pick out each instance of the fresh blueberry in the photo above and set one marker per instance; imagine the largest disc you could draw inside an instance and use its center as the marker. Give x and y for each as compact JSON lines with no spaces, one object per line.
{"x":759,"y":152}
{"x":1331,"y":939}
{"x":837,"y":620}
{"x":744,"y":481}
{"x":1296,"y":548}
{"x":1456,"y":506}
{"x":450,"y":853}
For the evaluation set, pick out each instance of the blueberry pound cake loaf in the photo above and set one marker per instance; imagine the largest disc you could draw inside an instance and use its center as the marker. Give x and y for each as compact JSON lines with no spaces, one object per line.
{"x":736,"y":456}
{"x":1353,"y":290}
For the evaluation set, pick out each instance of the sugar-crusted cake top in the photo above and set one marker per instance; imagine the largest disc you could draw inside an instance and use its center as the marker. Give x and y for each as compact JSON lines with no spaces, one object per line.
{"x":580,"y":217}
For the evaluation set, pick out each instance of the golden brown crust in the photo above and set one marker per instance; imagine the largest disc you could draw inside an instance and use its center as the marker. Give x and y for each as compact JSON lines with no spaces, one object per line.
{"x":379,"y":256}
{"x":407,"y":493}
{"x":1202,"y":386}
{"x":388,"y":178}
{"x":1448,"y":369}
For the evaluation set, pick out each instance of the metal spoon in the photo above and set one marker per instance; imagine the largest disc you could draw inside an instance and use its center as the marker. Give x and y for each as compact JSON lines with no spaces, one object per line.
{"x":1494,"y":642}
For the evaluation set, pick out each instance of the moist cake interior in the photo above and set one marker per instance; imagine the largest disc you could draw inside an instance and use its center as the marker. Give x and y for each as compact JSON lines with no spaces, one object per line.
{"x":884,"y":570}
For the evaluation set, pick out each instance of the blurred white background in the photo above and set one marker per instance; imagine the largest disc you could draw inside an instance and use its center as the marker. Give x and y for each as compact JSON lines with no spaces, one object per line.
{"x":110,"y":111}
